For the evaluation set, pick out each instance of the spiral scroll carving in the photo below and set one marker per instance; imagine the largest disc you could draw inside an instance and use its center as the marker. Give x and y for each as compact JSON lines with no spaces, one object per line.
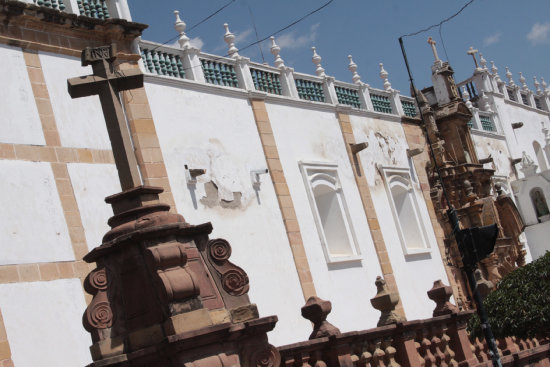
{"x":235,"y":282}
{"x":266,"y":357}
{"x":100,"y":315}
{"x":233,"y":279}
{"x":98,"y":279}
{"x":220,"y":250}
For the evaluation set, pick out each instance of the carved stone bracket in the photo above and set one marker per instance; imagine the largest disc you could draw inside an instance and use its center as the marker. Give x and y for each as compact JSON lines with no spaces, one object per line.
{"x":98,"y":314}
{"x":233,"y":279}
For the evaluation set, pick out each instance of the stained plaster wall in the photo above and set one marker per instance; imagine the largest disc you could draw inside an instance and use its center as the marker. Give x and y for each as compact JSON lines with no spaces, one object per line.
{"x":495,"y":146}
{"x":310,"y":135}
{"x":218,"y":133}
{"x":43,"y":322}
{"x":521,"y":139}
{"x":387,"y":147}
{"x":91,"y":184}
{"x":34,"y":230}
{"x":80,"y":121}
{"x":19,"y":118}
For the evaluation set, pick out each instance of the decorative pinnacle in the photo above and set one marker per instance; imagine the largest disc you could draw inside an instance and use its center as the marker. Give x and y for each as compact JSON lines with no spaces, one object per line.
{"x":537,"y":85}
{"x":466,"y":97}
{"x":522,"y":81}
{"x":180,"y":26}
{"x":384,"y":76}
{"x":356,"y":78}
{"x":494,"y":70}
{"x":317,"y":61}
{"x":229,"y":38}
{"x":482,"y":61}
{"x":509,"y":77}
{"x":275,"y":50}
{"x":485,"y":102}
{"x":544,"y":86}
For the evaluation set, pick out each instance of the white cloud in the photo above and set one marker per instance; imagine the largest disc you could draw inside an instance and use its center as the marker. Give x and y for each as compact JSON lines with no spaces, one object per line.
{"x":539,"y":33}
{"x":196,"y":42}
{"x":492,"y":39}
{"x":291,"y":40}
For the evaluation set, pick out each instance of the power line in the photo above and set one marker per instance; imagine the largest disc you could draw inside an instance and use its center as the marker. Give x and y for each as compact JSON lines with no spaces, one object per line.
{"x":263,"y":39}
{"x":440,"y":23}
{"x":198,"y":24}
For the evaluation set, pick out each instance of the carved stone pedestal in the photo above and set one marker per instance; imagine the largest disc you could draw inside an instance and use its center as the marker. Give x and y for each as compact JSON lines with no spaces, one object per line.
{"x":166,"y":295}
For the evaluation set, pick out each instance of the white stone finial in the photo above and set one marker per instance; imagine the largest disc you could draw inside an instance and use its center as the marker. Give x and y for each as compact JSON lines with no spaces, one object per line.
{"x":275,"y":50}
{"x":356,"y":78}
{"x":466,"y":97}
{"x":494,"y":70}
{"x":384,"y":77}
{"x":537,"y":85}
{"x":317,"y":61}
{"x":229,"y":38}
{"x":482,"y":61}
{"x":180,"y":26}
{"x":509,"y":77}
{"x":434,"y":50}
{"x":485,"y":106}
{"x":544,"y":86}
{"x":472,"y":51}
{"x":546,"y":133}
{"x":522,"y":81}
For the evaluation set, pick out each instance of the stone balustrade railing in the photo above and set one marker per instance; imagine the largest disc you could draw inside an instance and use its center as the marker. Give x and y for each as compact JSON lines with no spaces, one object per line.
{"x":98,"y":9}
{"x":191,"y":64}
{"x":441,"y":341}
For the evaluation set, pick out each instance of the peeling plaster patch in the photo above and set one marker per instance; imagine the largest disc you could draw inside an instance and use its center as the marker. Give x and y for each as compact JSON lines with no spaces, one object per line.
{"x":212,"y":198}
{"x":496,"y":149}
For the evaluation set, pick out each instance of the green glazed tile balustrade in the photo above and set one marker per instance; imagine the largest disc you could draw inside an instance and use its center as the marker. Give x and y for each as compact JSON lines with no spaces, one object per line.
{"x":266,"y":81}
{"x":511,"y":94}
{"x":93,"y":8}
{"x":487,"y":123}
{"x":310,"y":91}
{"x":538,"y":103}
{"x":525,"y":99}
{"x":54,"y":4}
{"x":470,"y":124}
{"x":162,"y":63}
{"x":219,"y":73}
{"x":348,"y":96}
{"x":381,"y":103}
{"x":408,"y":108}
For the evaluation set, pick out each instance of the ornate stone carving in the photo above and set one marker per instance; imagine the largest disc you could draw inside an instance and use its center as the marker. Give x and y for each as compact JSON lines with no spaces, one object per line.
{"x":385,"y":301}
{"x":316,"y":310}
{"x":440,"y":294}
{"x":98,"y":314}
{"x":233,"y":279}
{"x":168,"y":261}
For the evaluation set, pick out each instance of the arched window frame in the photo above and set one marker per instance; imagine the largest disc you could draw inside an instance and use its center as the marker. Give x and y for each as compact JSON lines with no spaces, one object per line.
{"x":400,"y":176}
{"x":315,"y":174}
{"x":540,"y":156}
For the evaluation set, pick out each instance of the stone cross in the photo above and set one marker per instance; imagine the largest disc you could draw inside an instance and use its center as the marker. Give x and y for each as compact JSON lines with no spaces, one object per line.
{"x":431,"y":41}
{"x":107,"y":83}
{"x":473,"y":52}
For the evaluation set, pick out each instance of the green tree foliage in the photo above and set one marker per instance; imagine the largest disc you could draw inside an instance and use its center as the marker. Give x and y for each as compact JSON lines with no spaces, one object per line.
{"x":520,"y":306}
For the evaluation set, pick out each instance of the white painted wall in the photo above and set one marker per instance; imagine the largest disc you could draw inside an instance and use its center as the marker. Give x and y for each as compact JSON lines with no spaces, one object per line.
{"x":92,"y":183}
{"x":19,"y":120}
{"x":32,"y":225}
{"x":537,"y":238}
{"x":80,"y":121}
{"x":308,"y":135}
{"x":495,"y":147}
{"x":44,"y":323}
{"x":415,"y":273}
{"x":219,"y":134}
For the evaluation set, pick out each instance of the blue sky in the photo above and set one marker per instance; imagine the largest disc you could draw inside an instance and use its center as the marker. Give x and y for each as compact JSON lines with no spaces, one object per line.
{"x":511,"y":33}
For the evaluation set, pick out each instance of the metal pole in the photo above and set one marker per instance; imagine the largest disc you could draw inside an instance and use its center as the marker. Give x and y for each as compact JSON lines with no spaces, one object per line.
{"x":453,"y":219}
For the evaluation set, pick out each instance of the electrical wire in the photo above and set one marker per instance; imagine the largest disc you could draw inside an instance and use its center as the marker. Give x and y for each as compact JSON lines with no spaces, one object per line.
{"x":265,"y":38}
{"x":198,"y":24}
{"x":440,"y":23}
